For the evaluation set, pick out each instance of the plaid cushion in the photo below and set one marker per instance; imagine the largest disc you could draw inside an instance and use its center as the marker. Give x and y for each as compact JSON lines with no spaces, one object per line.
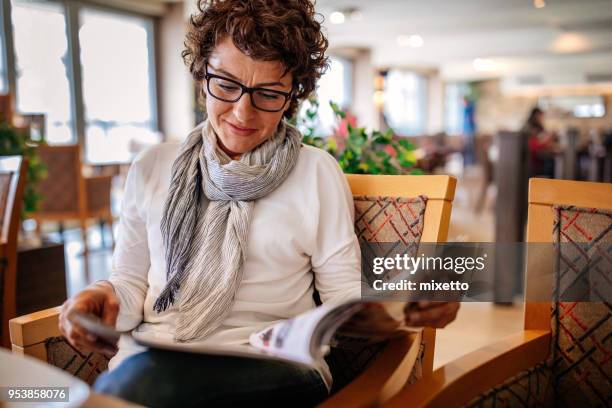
{"x":582,"y":348}
{"x":578,"y":372}
{"x":87,"y":367}
{"x":378,"y":220}
{"x":59,"y":189}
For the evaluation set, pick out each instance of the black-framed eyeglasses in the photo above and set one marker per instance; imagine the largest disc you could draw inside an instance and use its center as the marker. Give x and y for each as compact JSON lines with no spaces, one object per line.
{"x":228,"y":90}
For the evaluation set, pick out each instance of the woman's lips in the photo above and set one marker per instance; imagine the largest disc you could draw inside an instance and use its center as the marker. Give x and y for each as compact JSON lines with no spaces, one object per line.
{"x":242,"y":131}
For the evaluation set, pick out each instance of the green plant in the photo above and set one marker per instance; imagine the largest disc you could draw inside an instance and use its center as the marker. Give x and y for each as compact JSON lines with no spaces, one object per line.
{"x":306,"y":121}
{"x":18,"y":142}
{"x":361,"y":152}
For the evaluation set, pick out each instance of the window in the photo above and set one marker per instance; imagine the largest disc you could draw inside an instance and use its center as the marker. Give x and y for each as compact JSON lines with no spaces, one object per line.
{"x":117,"y":85}
{"x":454,"y":107}
{"x":112,"y":108}
{"x":333,"y":86}
{"x":405,"y":96}
{"x":41,"y":50}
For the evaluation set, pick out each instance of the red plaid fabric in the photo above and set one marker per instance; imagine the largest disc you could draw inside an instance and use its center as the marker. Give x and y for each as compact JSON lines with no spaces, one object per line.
{"x":87,"y":367}
{"x":59,"y":189}
{"x":582,"y":352}
{"x":379,"y":219}
{"x":579,"y":370}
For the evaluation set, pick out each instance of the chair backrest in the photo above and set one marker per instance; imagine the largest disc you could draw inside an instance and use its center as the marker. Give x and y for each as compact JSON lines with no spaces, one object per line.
{"x":577,"y":218}
{"x":544,"y":196}
{"x":439,"y":191}
{"x":12,"y":181}
{"x":6,"y":108}
{"x":63,"y":189}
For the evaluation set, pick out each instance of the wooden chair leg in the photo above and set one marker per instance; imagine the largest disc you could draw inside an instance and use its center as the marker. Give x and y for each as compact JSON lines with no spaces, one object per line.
{"x":83,"y":223}
{"x":101,"y":225}
{"x":60,"y":228}
{"x":109,"y":221}
{"x":38,"y":228}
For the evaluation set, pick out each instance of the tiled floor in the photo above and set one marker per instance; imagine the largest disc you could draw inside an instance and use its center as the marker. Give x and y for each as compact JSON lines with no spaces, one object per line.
{"x":477,"y":324}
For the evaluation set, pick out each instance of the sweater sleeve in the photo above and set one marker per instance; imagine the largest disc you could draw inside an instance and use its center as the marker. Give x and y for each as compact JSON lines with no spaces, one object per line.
{"x":336,"y":259}
{"x":131,"y":260}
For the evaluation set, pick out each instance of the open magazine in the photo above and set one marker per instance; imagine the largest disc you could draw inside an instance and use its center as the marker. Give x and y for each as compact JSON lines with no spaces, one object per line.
{"x":304,"y":339}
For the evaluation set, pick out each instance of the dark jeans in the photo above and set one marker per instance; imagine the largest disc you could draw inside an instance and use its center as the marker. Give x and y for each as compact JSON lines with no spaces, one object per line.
{"x":159,"y":378}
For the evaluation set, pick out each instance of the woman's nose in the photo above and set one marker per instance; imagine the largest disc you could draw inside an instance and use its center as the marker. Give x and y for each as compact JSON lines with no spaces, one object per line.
{"x":243,"y":108}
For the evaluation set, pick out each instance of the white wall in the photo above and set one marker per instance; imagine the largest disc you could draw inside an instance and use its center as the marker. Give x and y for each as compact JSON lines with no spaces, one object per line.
{"x":363,"y":90}
{"x":435,"y":104}
{"x":175,"y":82}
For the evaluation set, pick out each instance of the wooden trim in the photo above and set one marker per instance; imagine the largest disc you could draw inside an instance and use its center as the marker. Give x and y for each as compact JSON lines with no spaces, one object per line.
{"x":34,"y":328}
{"x":429,"y":339}
{"x":460,"y":381}
{"x":567,"y":192}
{"x":437,"y":187}
{"x":436,"y":221}
{"x":539,"y":268}
{"x":16,"y":166}
{"x":38,"y":351}
{"x":100,"y":177}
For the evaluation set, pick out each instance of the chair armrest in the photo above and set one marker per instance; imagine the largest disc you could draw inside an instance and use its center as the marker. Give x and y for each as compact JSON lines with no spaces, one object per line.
{"x":34,"y":328}
{"x":459,"y":381}
{"x":384,"y":378}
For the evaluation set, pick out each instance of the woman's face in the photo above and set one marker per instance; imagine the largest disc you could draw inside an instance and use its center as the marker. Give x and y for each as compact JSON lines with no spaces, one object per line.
{"x":240,"y":126}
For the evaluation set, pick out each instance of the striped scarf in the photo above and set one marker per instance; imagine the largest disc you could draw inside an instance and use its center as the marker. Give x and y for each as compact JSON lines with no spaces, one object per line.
{"x":206,"y":221}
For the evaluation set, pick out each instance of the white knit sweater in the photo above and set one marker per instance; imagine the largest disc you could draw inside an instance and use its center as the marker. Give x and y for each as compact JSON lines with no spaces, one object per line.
{"x":301,"y":234}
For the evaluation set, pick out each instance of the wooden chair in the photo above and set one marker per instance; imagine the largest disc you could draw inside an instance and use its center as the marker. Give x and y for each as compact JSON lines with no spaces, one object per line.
{"x":538,"y":367}
{"x":391,"y":368}
{"x":68,"y":195}
{"x":12,"y":181}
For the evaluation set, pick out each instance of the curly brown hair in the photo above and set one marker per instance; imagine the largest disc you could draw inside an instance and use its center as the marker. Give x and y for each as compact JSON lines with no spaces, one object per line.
{"x":269,"y":30}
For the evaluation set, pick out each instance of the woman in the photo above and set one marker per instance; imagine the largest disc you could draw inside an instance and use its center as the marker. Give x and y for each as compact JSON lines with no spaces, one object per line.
{"x":223,"y":235}
{"x":542,"y":145}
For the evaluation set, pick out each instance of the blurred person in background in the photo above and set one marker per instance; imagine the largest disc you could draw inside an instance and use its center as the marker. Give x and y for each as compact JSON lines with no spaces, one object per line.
{"x":542,"y":145}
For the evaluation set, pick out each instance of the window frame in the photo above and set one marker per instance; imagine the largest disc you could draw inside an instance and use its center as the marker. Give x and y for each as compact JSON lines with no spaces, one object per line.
{"x":72,"y":10}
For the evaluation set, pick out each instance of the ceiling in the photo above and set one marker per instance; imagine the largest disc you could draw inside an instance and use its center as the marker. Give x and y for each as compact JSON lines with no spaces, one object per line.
{"x":519,"y":38}
{"x":563,"y":38}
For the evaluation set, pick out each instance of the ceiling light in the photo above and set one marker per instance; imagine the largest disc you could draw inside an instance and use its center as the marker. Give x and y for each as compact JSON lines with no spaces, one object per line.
{"x":337,"y":17}
{"x":356,"y":15}
{"x":484,"y":64}
{"x":571,"y":42}
{"x":414,"y":41}
{"x":539,"y":4}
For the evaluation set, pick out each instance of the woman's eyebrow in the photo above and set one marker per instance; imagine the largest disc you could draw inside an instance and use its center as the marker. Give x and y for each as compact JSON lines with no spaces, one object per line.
{"x":229,"y":75}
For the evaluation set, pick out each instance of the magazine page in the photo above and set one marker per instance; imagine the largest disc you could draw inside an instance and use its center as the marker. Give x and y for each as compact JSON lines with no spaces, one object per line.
{"x":375,"y":322}
{"x":305,"y":338}
{"x":308,"y":337}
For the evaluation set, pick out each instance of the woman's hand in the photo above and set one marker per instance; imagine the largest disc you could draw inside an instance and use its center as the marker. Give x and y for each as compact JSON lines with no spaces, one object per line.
{"x":431,"y":314}
{"x":372,"y":322}
{"x":98,"y":299}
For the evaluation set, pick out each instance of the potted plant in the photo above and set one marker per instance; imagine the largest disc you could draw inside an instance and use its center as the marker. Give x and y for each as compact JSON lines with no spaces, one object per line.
{"x":14,"y":141}
{"x":357,"y":150}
